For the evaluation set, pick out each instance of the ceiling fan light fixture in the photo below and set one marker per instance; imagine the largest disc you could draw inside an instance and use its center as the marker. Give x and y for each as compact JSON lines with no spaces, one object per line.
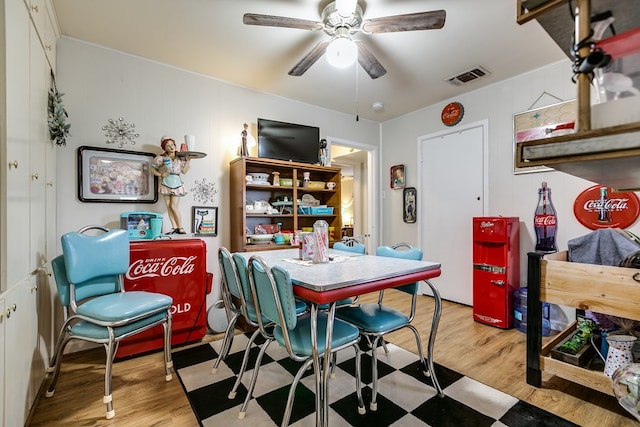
{"x":346,"y":8}
{"x":342,"y":52}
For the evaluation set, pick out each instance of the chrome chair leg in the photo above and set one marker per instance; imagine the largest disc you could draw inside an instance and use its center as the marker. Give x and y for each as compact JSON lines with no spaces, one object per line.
{"x":374,"y":375}
{"x":245,"y":362}
{"x":56,"y":361}
{"x":108,"y":397}
{"x":361,"y":409}
{"x":226,"y":342}
{"x":168,"y":361}
{"x":432,"y":335}
{"x":292,"y":392}
{"x":384,"y":345}
{"x":254,"y":378}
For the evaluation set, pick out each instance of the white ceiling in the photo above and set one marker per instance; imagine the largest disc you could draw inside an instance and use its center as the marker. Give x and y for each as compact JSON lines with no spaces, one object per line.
{"x":208,"y":37}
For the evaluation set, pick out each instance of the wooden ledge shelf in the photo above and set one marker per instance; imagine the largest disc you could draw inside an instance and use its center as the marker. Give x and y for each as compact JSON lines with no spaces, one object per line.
{"x":608,"y":156}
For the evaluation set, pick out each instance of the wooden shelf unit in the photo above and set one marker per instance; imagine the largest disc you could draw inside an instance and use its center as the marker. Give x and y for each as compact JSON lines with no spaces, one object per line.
{"x":608,"y":156}
{"x":243,"y":193}
{"x":599,"y":288}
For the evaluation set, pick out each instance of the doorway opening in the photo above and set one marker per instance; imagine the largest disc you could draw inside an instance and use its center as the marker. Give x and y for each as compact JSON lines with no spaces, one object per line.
{"x":359,"y":182}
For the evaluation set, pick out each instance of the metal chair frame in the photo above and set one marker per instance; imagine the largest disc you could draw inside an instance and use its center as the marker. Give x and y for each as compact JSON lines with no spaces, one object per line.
{"x":375,"y":337}
{"x":235,"y":284}
{"x":96,"y":307}
{"x":277,"y":278}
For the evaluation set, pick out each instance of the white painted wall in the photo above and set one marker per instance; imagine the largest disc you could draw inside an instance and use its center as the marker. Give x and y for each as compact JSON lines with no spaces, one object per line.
{"x":509,"y":194}
{"x":101,"y":84}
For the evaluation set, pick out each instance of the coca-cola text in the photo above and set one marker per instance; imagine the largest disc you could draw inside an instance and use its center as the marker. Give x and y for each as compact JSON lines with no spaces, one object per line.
{"x":544,"y":220}
{"x":161,"y":267}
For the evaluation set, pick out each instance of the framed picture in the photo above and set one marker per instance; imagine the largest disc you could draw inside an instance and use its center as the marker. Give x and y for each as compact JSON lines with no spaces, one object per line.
{"x":116,"y":176}
{"x":545,"y":122}
{"x":396,"y":177}
{"x":409,"y":205}
{"x":204,"y":220}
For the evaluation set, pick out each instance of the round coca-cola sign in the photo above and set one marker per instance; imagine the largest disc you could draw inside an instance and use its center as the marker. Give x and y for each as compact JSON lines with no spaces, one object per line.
{"x":602,"y":207}
{"x":452,"y":114}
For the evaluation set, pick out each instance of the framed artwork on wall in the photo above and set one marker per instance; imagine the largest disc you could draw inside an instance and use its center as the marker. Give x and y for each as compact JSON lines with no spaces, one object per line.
{"x":396,"y":177}
{"x":116,"y":176}
{"x":545,"y":122}
{"x":409,"y":205}
{"x":204,"y":220}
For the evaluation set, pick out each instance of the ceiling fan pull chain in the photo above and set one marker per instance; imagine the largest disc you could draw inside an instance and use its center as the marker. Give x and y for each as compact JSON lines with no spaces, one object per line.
{"x":357,"y":95}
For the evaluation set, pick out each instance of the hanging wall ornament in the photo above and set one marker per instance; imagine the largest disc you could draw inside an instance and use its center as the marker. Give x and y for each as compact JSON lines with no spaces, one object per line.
{"x":57,"y":116}
{"x":120,"y":132}
{"x":204,"y":191}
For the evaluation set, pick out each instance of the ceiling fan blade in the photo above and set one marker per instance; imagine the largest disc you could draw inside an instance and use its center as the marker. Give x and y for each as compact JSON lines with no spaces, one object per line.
{"x":410,"y":22}
{"x":305,"y":63}
{"x":280,"y":21}
{"x":369,"y":62}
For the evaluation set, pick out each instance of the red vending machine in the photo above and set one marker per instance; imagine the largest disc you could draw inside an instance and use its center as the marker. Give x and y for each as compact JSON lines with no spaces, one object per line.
{"x":496,"y":269}
{"x":177,"y":268}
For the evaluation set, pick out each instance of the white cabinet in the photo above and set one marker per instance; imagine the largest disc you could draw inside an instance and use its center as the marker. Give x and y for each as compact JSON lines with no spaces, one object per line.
{"x":15,"y":168}
{"x":27,"y":205}
{"x":18,"y":327}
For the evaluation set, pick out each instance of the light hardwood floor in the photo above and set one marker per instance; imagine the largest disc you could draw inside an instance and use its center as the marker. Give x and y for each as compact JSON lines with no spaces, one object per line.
{"x":492,"y":356}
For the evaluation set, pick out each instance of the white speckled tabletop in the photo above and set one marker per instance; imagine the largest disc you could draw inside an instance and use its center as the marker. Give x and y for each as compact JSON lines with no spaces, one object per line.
{"x":352,"y":269}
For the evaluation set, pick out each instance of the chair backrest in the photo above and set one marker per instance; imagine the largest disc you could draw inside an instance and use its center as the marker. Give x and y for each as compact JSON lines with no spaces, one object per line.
{"x":355,"y":247}
{"x":62,"y":282}
{"x":273,"y":293}
{"x":95,"y":264}
{"x":230,"y":279}
{"x":235,"y":282}
{"x":243,"y":274}
{"x":404,"y":251}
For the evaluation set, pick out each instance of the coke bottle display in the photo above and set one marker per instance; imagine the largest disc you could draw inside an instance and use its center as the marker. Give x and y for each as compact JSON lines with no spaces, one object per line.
{"x":545,"y":222}
{"x":604,"y":215}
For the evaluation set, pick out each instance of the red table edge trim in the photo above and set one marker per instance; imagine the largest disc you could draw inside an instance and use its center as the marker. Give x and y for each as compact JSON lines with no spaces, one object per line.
{"x":323,"y":297}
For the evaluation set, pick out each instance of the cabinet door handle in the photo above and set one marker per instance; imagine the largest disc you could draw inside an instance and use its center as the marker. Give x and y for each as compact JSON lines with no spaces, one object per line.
{"x":11,"y":308}
{"x":35,"y":176}
{"x":498,"y":282}
{"x":13,"y":164}
{"x":35,"y":8}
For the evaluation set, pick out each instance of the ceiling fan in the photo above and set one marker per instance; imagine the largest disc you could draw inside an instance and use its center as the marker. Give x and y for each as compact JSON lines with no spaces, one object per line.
{"x":341,"y":19}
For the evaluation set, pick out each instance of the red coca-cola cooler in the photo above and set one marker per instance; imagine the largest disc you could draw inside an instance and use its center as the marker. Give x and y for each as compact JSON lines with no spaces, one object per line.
{"x":496,"y":269}
{"x":177,"y":268}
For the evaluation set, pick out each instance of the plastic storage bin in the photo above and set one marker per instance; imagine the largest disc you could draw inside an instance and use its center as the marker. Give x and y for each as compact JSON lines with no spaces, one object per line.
{"x":520,"y":312}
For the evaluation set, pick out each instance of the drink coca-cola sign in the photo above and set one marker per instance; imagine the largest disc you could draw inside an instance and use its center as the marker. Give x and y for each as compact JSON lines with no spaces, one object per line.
{"x":161,"y":267}
{"x":603,"y":207}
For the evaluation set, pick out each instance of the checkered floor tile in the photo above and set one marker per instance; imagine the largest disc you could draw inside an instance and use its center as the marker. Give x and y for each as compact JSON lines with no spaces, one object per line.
{"x":405,"y":396}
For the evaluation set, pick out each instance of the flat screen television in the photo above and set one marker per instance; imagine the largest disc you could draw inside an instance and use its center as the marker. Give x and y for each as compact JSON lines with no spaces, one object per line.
{"x":288,"y":141}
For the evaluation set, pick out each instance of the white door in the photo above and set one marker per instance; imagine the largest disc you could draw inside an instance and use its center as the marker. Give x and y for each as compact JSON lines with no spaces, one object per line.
{"x":453,"y":187}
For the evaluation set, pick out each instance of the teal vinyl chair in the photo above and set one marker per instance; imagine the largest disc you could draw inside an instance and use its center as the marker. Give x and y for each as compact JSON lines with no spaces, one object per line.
{"x":89,"y":279}
{"x":355,"y":247}
{"x":272,"y":293}
{"x":375,"y":320}
{"x":236,"y":295}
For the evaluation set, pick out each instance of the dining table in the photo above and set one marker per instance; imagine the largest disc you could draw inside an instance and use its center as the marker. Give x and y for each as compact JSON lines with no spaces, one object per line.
{"x":346,"y":275}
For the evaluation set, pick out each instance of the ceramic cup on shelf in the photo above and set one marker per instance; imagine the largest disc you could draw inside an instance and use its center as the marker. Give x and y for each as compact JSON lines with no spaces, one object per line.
{"x":331,"y":185}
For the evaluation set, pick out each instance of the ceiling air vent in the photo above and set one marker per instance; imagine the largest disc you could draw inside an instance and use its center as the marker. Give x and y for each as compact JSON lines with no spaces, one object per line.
{"x":468,"y":76}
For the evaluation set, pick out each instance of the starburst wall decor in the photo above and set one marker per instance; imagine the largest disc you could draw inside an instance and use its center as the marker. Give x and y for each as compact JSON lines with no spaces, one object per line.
{"x":204,"y":191}
{"x":120,"y":132}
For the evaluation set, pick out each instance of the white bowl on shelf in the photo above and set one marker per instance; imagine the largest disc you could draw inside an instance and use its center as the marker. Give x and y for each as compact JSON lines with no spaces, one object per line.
{"x":260,"y":239}
{"x":258,"y":178}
